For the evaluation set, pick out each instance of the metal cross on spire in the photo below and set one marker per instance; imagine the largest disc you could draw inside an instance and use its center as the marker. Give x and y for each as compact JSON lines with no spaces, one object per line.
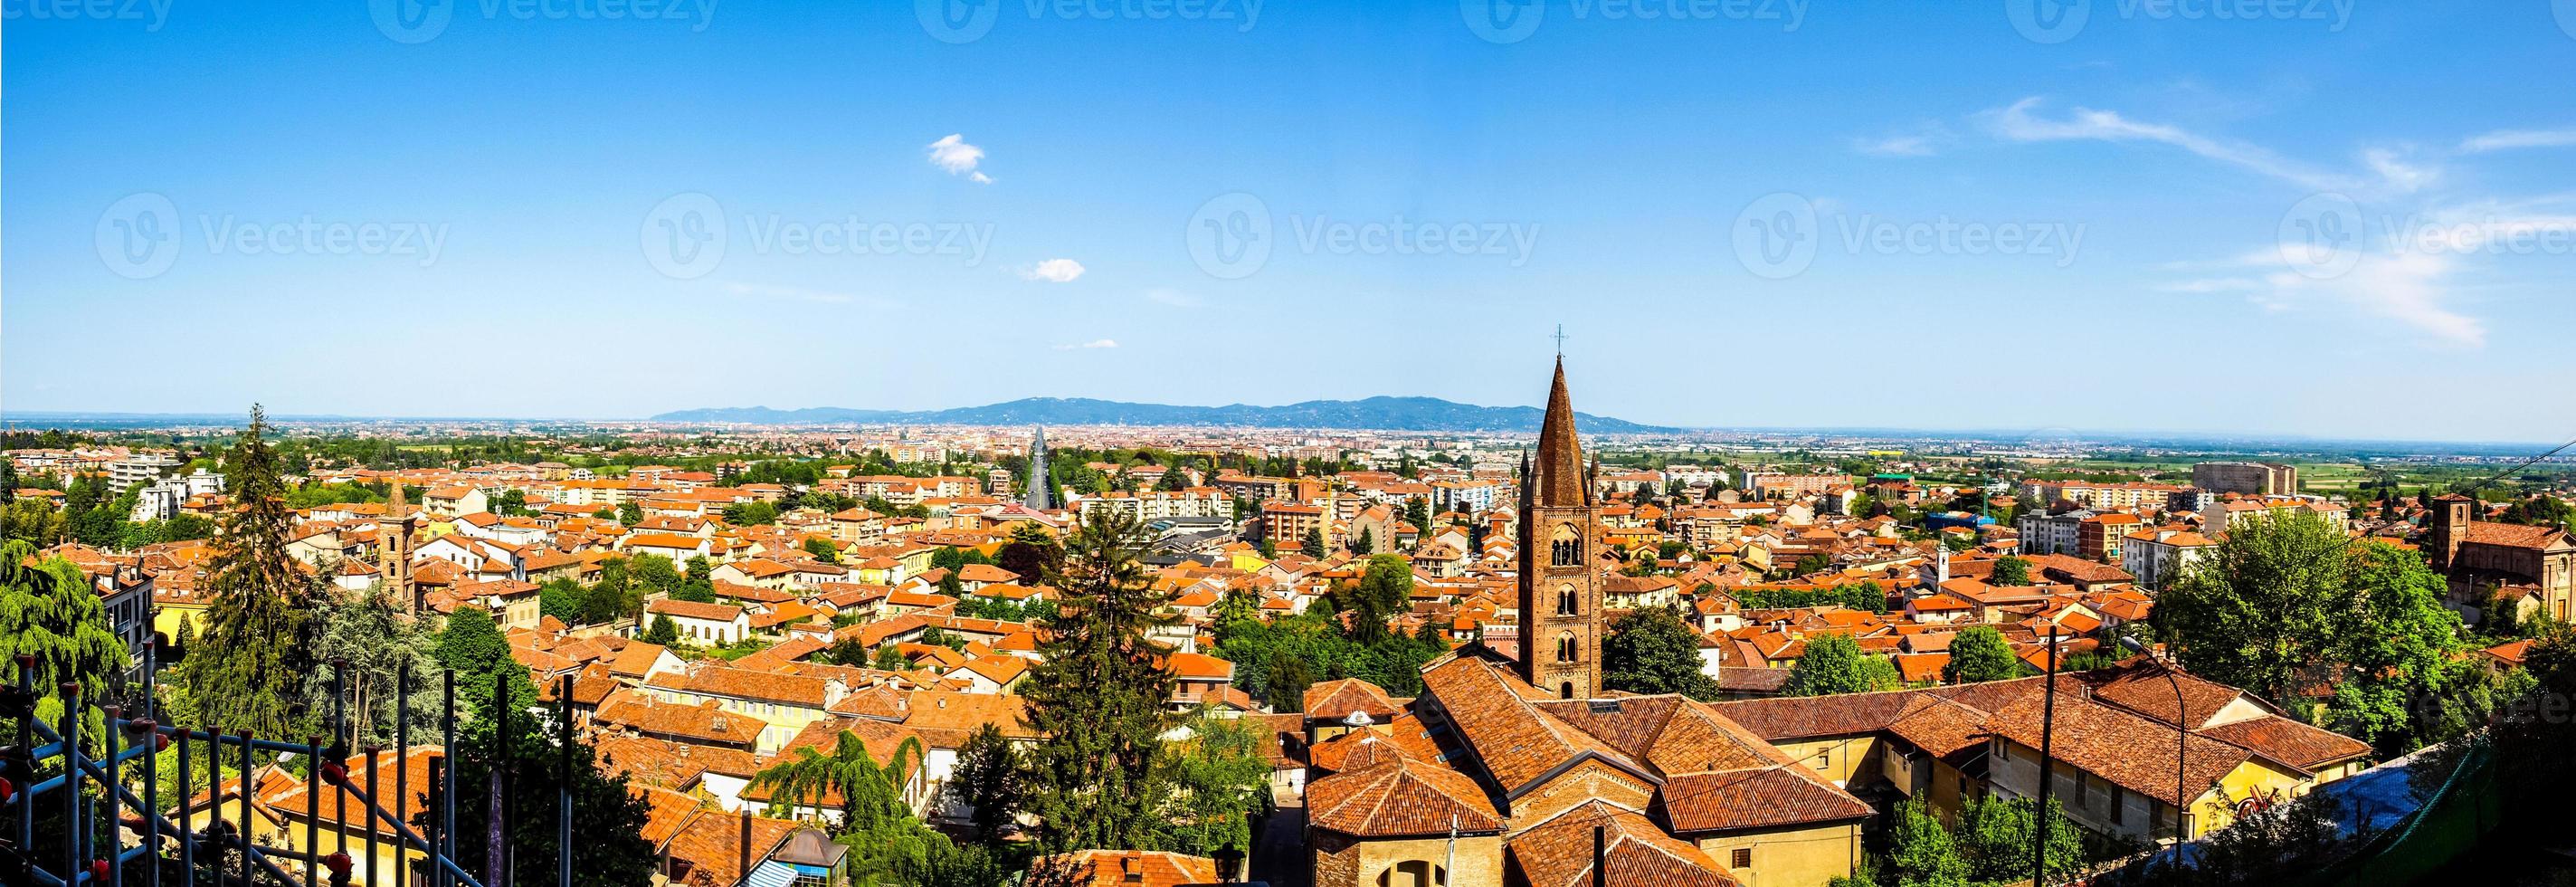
{"x":1560,"y":340}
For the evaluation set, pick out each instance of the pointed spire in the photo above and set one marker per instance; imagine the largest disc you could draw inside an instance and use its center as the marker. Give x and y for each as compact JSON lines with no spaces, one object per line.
{"x":394,"y":506}
{"x":1560,"y":453}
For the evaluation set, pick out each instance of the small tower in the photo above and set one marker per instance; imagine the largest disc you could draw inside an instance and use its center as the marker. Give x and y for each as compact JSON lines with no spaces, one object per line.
{"x":2450,"y":518}
{"x":394,"y":531}
{"x":1560,"y":531}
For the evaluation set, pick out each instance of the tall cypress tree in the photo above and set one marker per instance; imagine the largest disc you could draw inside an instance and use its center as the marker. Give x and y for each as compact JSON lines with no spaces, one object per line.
{"x":248,"y":669}
{"x":1098,"y":698}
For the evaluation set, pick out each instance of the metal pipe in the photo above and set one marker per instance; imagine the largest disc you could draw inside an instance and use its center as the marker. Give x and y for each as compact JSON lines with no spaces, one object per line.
{"x":187,"y":804}
{"x":249,"y":855}
{"x":447,"y":754}
{"x":115,"y":826}
{"x":496,"y":871}
{"x":73,"y":821}
{"x":2047,"y":725}
{"x":151,"y":791}
{"x":313,"y":807}
{"x":563,"y":792}
{"x":402,"y":759}
{"x":374,"y":752}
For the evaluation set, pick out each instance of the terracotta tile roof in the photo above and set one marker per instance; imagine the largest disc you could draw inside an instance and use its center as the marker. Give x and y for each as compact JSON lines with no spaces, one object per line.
{"x":1400,"y":796}
{"x":705,"y":679}
{"x":2290,"y":742}
{"x":695,"y":610}
{"x":1730,"y":800}
{"x":704,"y":723}
{"x":2107,"y":742}
{"x":1141,"y":868}
{"x":1335,"y":700}
{"x":1558,"y":853}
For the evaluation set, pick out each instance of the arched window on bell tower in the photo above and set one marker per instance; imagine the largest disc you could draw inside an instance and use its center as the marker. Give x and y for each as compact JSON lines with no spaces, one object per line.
{"x":1567,"y":602}
{"x":1565,"y":647}
{"x":1565,"y":547}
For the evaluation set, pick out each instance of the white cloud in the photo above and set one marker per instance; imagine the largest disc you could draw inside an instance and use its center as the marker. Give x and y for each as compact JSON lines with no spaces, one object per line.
{"x":1924,"y":141}
{"x":2406,"y":286}
{"x":1895,"y":146}
{"x":1095,"y":343}
{"x":958,"y":158}
{"x":1054,"y":271}
{"x":2507,"y":139}
{"x":2018,"y":123}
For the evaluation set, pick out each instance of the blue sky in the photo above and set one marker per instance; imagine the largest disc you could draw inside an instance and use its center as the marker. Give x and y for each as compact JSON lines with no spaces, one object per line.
{"x":2117,"y":215}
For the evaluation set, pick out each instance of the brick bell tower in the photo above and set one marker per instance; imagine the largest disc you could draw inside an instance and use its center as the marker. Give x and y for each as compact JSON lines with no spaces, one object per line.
{"x":1560,"y":588}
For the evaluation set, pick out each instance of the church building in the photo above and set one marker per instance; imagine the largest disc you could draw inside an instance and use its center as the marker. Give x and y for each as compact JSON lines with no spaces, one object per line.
{"x":1529,"y":773}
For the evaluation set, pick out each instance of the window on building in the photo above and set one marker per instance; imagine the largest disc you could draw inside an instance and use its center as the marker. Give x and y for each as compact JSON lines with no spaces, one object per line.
{"x":1741,"y":859}
{"x":1565,"y":601}
{"x":1565,"y":647}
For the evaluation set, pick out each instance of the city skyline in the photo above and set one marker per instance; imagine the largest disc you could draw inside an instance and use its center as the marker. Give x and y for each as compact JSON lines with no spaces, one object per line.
{"x":916,"y":215}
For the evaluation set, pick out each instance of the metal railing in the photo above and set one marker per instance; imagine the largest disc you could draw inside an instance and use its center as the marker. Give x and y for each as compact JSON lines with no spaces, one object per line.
{"x":116,"y":829}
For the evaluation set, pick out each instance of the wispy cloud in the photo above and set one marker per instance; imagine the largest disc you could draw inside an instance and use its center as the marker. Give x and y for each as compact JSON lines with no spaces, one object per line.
{"x":1924,"y":141}
{"x":1172,"y":297}
{"x":2407,"y":286}
{"x":959,"y":158}
{"x":2509,"y":139}
{"x":2020,"y":122}
{"x":1095,"y":343}
{"x":1054,"y":271}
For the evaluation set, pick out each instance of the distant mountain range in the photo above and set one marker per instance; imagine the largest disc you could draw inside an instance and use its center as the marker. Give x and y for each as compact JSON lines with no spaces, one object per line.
{"x":1379,"y":413}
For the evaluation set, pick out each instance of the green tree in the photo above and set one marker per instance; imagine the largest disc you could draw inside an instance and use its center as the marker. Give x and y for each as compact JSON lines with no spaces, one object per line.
{"x":1097,"y":698}
{"x":2010,"y":571}
{"x":1314,"y":543}
{"x":1366,"y":543}
{"x":1833,"y":664}
{"x":2284,"y":594}
{"x":986,"y":779}
{"x":608,"y":848}
{"x":663,"y":633}
{"x":822,"y":549}
{"x":1652,"y":650}
{"x":890,"y":659}
{"x":1997,"y":833}
{"x":630,"y":513}
{"x":364,"y":631}
{"x":1980,"y":654}
{"x":1921,"y":852}
{"x":48,"y":611}
{"x":250,"y":663}
{"x":473,"y":647}
{"x":1217,"y":779}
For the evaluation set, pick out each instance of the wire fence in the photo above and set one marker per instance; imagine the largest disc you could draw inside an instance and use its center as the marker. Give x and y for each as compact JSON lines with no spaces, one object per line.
{"x":78,"y":809}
